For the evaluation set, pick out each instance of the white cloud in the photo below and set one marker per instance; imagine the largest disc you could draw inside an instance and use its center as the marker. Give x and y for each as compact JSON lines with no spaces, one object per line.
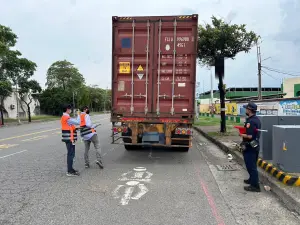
{"x":80,"y":31}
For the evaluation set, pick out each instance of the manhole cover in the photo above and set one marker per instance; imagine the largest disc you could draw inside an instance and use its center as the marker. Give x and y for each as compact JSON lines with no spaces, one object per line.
{"x":227,"y":167}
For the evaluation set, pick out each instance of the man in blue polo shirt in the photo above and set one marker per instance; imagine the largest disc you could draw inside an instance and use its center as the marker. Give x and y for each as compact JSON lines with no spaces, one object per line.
{"x":251,"y":146}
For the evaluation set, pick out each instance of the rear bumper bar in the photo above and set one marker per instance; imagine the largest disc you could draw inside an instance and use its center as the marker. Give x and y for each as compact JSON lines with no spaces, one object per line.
{"x":155,"y":145}
{"x":150,"y":144}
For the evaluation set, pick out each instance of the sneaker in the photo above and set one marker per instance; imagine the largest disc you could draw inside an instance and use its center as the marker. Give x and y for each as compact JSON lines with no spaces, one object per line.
{"x":100,"y":164}
{"x":87,"y":165}
{"x":76,"y":172}
{"x":247,"y":181}
{"x":252,"y":189}
{"x":72,"y":174}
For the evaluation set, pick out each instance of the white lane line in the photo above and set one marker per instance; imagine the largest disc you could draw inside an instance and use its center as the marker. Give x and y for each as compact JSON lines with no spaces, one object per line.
{"x":2,"y":157}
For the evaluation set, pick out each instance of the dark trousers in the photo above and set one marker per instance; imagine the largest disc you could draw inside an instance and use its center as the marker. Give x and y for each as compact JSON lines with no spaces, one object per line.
{"x":250,"y":158}
{"x":70,"y":156}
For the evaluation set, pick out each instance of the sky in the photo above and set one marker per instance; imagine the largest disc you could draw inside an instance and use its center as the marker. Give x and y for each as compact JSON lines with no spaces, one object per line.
{"x":80,"y":31}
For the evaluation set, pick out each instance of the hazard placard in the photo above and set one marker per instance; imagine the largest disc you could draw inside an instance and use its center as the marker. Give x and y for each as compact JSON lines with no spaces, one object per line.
{"x":140,"y":75}
{"x":140,"y":68}
{"x":124,"y":67}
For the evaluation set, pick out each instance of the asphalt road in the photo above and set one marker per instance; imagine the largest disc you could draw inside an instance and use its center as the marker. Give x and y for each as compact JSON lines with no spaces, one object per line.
{"x":138,"y":187}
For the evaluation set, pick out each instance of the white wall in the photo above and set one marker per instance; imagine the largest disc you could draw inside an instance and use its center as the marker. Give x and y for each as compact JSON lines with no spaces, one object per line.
{"x":207,"y":100}
{"x":288,"y":86}
{"x":10,"y":104}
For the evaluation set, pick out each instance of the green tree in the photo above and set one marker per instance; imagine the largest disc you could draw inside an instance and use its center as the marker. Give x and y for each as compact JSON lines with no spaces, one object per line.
{"x":14,"y":70}
{"x":51,"y":100}
{"x":5,"y":91}
{"x":27,"y":91}
{"x":63,"y":74}
{"x":83,"y":96}
{"x":8,"y":58}
{"x":7,"y":36}
{"x":221,"y":40}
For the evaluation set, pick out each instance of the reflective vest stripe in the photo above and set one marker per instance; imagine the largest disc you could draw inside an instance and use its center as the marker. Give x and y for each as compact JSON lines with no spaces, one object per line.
{"x":84,"y":129}
{"x":67,"y":137}
{"x":69,"y":133}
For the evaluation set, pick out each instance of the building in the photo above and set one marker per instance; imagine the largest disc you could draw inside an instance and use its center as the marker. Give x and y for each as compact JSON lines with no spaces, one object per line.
{"x":243,"y":92}
{"x":235,"y":94}
{"x":291,"y":86}
{"x":12,"y":102}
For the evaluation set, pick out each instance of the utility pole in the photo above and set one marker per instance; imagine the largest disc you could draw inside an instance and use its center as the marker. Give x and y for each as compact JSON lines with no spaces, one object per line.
{"x":259,"y":72}
{"x":17,"y":97}
{"x":211,"y":88}
{"x":74,"y":113}
{"x":196,"y":100}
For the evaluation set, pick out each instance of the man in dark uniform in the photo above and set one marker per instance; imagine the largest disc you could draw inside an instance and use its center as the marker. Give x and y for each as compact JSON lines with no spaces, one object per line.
{"x":250,"y":146}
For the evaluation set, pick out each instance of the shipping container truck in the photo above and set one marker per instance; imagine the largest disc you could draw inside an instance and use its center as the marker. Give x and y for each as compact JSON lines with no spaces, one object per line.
{"x":153,"y":81}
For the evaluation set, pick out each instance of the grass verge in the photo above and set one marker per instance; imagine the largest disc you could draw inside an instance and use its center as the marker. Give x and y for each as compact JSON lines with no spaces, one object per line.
{"x":33,"y":118}
{"x":211,"y":121}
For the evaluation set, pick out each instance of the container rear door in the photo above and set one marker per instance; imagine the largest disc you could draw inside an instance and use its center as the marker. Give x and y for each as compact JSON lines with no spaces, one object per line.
{"x":174,"y":85}
{"x":154,"y":68}
{"x":133,"y":69}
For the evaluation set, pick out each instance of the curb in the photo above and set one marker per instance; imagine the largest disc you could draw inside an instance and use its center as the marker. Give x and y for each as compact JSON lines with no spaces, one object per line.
{"x":286,"y":179}
{"x":13,"y":124}
{"x":290,"y":202}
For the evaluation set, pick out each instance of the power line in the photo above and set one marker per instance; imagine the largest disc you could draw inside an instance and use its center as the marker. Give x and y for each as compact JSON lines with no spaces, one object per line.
{"x":270,"y":75}
{"x":259,"y":72}
{"x":282,"y":72}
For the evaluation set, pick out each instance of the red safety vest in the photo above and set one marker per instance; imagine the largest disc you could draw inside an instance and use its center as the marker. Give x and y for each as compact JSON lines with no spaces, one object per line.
{"x":69,"y":133}
{"x":84,"y":129}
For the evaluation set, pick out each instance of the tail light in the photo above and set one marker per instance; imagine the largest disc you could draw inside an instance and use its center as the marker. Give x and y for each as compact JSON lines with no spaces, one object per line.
{"x":120,"y":129}
{"x":183,"y":131}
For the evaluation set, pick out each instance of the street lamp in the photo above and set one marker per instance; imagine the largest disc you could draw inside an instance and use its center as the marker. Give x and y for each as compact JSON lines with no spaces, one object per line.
{"x":74,"y":103}
{"x":74,"y":92}
{"x":18,"y":118}
{"x":104,"y":102}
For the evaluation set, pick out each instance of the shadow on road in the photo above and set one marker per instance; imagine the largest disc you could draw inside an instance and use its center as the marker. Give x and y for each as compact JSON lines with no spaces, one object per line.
{"x":148,"y":155}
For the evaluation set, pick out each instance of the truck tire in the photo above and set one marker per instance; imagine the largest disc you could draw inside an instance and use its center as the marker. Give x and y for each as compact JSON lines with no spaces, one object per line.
{"x":130,"y":147}
{"x":184,"y":149}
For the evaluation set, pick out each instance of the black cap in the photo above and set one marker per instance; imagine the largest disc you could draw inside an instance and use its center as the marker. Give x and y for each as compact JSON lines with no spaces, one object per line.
{"x":251,"y":105}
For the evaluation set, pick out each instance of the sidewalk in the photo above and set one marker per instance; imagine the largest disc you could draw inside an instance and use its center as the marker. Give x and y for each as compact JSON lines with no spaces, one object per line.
{"x":289,"y":195}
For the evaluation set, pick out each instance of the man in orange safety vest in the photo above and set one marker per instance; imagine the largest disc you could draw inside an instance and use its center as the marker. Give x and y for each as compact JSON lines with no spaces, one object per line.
{"x":69,"y":136}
